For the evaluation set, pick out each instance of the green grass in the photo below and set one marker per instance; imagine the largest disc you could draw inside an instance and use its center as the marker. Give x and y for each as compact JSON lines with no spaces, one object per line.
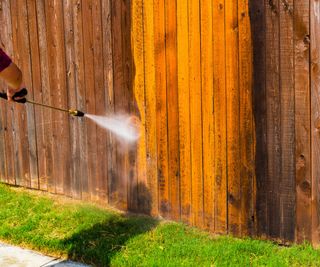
{"x":100,"y":237}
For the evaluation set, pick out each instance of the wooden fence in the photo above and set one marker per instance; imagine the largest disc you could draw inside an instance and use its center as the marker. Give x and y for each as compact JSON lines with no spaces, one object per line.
{"x":287,"y":108}
{"x":229,"y":116}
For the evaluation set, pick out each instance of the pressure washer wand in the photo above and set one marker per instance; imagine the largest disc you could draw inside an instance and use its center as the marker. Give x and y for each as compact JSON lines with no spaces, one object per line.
{"x":23,"y":92}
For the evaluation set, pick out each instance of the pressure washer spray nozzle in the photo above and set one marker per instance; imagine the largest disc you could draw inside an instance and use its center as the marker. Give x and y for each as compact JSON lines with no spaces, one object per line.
{"x":76,"y":113}
{"x":24,"y":92}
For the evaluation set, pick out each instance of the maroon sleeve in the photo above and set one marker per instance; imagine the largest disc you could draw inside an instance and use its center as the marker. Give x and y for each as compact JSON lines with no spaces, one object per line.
{"x":4,"y":60}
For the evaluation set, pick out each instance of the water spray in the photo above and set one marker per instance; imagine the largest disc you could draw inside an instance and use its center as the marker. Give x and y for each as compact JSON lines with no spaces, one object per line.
{"x":125,"y":127}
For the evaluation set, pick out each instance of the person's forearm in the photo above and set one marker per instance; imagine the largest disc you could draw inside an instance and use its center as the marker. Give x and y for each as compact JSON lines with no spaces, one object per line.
{"x":12,"y":75}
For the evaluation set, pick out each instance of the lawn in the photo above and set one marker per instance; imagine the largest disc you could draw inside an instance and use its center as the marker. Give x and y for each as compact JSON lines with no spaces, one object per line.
{"x":101,"y":237}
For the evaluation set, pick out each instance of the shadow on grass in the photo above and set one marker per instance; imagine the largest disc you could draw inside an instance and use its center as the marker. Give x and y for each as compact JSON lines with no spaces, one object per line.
{"x":102,"y":241}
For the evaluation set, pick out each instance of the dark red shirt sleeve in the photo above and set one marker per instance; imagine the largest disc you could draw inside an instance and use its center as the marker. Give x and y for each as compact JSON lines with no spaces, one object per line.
{"x":4,"y":60}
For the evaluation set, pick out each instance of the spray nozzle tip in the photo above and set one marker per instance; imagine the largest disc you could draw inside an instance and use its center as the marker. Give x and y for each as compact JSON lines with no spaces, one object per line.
{"x":76,"y":113}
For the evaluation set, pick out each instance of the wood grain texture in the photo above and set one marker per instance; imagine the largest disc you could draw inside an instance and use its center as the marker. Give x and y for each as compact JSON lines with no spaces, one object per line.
{"x":140,"y":184}
{"x":172,"y":107}
{"x":7,"y":141}
{"x":72,"y":98}
{"x":233,"y":117}
{"x":46,"y":179}
{"x":90,"y":92}
{"x":20,"y":121}
{"x":258,"y":29}
{"x":80,"y":177}
{"x":100,"y":176}
{"x":287,"y":186}
{"x":303,"y":229}
{"x":227,"y":102}
{"x":315,"y":118}
{"x":151,"y":194}
{"x":273,"y":116}
{"x":184,"y":110}
{"x":195,"y":113}
{"x":207,"y":99}
{"x":220,"y":116}
{"x":116,"y":8}
{"x":247,"y":138}
{"x":38,"y":151}
{"x":57,"y":82}
{"x":162,"y":115}
{"x":108,"y":84}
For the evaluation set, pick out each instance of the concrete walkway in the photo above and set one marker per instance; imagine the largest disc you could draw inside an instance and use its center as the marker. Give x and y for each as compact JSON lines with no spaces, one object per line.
{"x":11,"y":256}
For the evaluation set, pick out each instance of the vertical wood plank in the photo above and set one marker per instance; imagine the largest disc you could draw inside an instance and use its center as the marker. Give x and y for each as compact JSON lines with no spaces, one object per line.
{"x":151,"y":112}
{"x":101,"y":178}
{"x":3,"y":164}
{"x":137,"y":36}
{"x":258,"y":28}
{"x":108,"y":81}
{"x":195,"y":113}
{"x":303,"y":229}
{"x":184,"y":109}
{"x":118,"y":83}
{"x":69,"y":30}
{"x":57,"y":80}
{"x":80,"y":100}
{"x":207,"y":113}
{"x":273,"y":116}
{"x":220,"y":117}
{"x":118,"y":186}
{"x":28,"y":69}
{"x":46,"y":179}
{"x":20,"y":122}
{"x":315,"y":118}
{"x":247,"y":139}
{"x":6,"y":112}
{"x":37,"y":96}
{"x":88,"y":49}
{"x":287,"y":187}
{"x":233,"y":117}
{"x":172,"y":107}
{"x":162,"y":133}
{"x":127,"y":156}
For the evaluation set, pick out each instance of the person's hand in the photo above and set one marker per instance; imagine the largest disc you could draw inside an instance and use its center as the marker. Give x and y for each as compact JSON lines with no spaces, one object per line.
{"x":12,"y":91}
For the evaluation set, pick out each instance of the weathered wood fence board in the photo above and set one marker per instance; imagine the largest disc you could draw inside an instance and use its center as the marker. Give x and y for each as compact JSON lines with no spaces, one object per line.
{"x":315,"y":107}
{"x":285,"y":38}
{"x":228,"y":104}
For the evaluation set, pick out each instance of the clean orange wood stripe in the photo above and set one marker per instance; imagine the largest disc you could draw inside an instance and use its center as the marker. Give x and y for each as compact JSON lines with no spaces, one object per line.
{"x":207,"y":112}
{"x":195,"y":112}
{"x":184,"y":109}
{"x":233,"y":116}
{"x":162,"y":131}
{"x":137,"y":36}
{"x":151,"y":194}
{"x":220,"y":119}
{"x":172,"y":105}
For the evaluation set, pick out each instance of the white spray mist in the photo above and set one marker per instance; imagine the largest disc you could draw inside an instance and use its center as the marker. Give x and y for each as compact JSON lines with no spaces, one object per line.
{"x":124,"y":126}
